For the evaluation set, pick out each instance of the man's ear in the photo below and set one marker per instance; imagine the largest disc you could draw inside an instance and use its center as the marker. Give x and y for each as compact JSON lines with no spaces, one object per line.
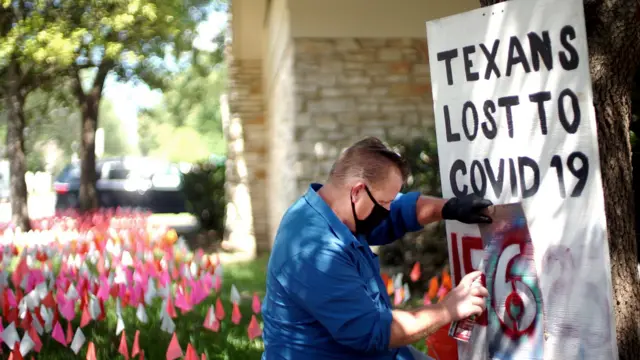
{"x":356,"y":191}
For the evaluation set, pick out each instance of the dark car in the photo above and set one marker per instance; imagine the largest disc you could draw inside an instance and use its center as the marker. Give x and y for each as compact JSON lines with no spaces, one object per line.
{"x":129,"y":182}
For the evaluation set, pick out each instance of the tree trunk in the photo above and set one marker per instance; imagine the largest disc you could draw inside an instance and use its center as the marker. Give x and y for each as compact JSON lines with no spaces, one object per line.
{"x":613,"y":34}
{"x":88,"y":194}
{"x":89,"y":107}
{"x":635,"y":159}
{"x":14,"y":99}
{"x":614,"y":46}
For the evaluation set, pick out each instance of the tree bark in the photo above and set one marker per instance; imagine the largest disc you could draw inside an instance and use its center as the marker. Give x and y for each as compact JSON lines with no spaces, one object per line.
{"x":89,"y":106}
{"x":14,"y":101}
{"x":613,"y":34}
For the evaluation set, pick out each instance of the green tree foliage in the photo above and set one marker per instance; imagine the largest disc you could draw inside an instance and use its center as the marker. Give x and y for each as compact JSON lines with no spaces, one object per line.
{"x":129,"y":38}
{"x":187,"y":125}
{"x":20,"y":23}
{"x":53,"y":126}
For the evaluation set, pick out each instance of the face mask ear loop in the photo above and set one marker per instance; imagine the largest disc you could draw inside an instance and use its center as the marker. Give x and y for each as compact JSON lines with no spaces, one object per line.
{"x":353,"y":210}
{"x":371,"y":196}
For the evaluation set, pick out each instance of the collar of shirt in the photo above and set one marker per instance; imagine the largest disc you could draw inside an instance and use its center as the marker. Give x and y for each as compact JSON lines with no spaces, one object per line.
{"x":339,"y":228}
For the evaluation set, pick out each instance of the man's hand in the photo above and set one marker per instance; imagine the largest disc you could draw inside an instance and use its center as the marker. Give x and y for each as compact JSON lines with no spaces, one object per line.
{"x":469,"y":209}
{"x":467,"y":299}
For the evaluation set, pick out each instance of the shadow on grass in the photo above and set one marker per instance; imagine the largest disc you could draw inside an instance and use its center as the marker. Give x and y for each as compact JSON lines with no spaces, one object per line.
{"x":231,"y":342}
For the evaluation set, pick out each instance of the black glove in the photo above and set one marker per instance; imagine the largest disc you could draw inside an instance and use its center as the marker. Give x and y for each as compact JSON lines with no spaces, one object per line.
{"x":467,"y":209}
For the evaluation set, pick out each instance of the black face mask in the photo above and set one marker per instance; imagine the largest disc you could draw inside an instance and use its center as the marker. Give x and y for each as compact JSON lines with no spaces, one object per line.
{"x":377,"y":216}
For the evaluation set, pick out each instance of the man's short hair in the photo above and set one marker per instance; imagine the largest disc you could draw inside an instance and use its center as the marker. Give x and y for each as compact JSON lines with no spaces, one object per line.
{"x":368,"y":159}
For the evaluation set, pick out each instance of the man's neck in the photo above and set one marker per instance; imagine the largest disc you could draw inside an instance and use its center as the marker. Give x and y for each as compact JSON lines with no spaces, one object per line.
{"x":333,"y":197}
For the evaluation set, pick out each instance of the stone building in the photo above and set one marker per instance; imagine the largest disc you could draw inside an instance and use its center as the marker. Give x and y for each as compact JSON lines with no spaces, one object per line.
{"x":306,"y":79}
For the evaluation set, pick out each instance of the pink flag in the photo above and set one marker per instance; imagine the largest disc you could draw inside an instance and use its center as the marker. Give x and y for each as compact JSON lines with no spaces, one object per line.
{"x":58,"y":334}
{"x":254,"y":329}
{"x":103,"y":291}
{"x":255,"y":304}
{"x":183,"y":300}
{"x":67,"y":309}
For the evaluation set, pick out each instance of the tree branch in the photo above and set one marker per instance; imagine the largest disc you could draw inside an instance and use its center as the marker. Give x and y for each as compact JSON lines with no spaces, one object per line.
{"x":77,"y":86}
{"x":101,"y":76}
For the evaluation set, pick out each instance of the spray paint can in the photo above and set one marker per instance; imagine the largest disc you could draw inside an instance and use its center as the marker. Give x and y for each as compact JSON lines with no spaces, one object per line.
{"x":461,"y":330}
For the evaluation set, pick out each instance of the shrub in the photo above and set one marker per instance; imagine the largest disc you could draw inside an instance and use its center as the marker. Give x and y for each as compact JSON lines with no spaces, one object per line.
{"x":205,"y":194}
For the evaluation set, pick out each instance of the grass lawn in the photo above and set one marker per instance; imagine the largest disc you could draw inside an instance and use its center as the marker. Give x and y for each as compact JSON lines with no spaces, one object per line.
{"x":231,"y":342}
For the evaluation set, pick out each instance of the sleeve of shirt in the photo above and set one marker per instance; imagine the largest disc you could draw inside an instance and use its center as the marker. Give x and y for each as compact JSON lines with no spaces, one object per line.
{"x":326,"y":283}
{"x":403,"y":218}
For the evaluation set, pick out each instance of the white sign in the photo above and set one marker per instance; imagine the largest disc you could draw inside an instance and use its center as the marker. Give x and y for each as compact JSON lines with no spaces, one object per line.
{"x":515,"y":123}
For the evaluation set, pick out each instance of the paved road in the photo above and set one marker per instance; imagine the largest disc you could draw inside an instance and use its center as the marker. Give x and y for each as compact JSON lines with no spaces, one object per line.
{"x":43,"y":205}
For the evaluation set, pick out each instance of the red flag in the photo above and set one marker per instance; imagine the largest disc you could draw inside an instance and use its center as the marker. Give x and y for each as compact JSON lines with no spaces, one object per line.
{"x":191,"y":353}
{"x":69,"y":333}
{"x":86,"y":317}
{"x":433,"y":289}
{"x":49,"y":301}
{"x":446,"y":280}
{"x":174,"y":351}
{"x":15,"y":354}
{"x":219,"y":310}
{"x":25,"y":324}
{"x":91,"y":351}
{"x":135,"y":349}
{"x":236,"y":316}
{"x":416,"y":272}
{"x":123,"y":348}
{"x":33,"y":334}
{"x":171,"y":310}
{"x":103,"y":313}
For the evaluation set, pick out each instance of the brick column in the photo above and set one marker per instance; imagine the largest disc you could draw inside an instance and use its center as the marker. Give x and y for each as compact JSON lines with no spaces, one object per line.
{"x":245,"y":131}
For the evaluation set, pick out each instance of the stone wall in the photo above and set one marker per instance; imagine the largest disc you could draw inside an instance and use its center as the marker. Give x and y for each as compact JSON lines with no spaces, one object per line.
{"x":318,"y":96}
{"x":247,"y":156}
{"x":349,"y":88}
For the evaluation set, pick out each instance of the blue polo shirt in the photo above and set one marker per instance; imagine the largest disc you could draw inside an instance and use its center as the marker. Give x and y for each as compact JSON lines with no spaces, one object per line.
{"x":325,"y":297}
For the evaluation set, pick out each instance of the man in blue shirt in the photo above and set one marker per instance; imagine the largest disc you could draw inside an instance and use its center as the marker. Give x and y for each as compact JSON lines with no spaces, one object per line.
{"x":325,"y":297}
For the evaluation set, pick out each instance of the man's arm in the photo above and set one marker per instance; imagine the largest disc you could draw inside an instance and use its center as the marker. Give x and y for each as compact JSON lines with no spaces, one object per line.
{"x":408,"y":327}
{"x":326,"y":283}
{"x":402,"y":219}
{"x":412,"y":211}
{"x":465,"y":300}
{"x":429,"y":209}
